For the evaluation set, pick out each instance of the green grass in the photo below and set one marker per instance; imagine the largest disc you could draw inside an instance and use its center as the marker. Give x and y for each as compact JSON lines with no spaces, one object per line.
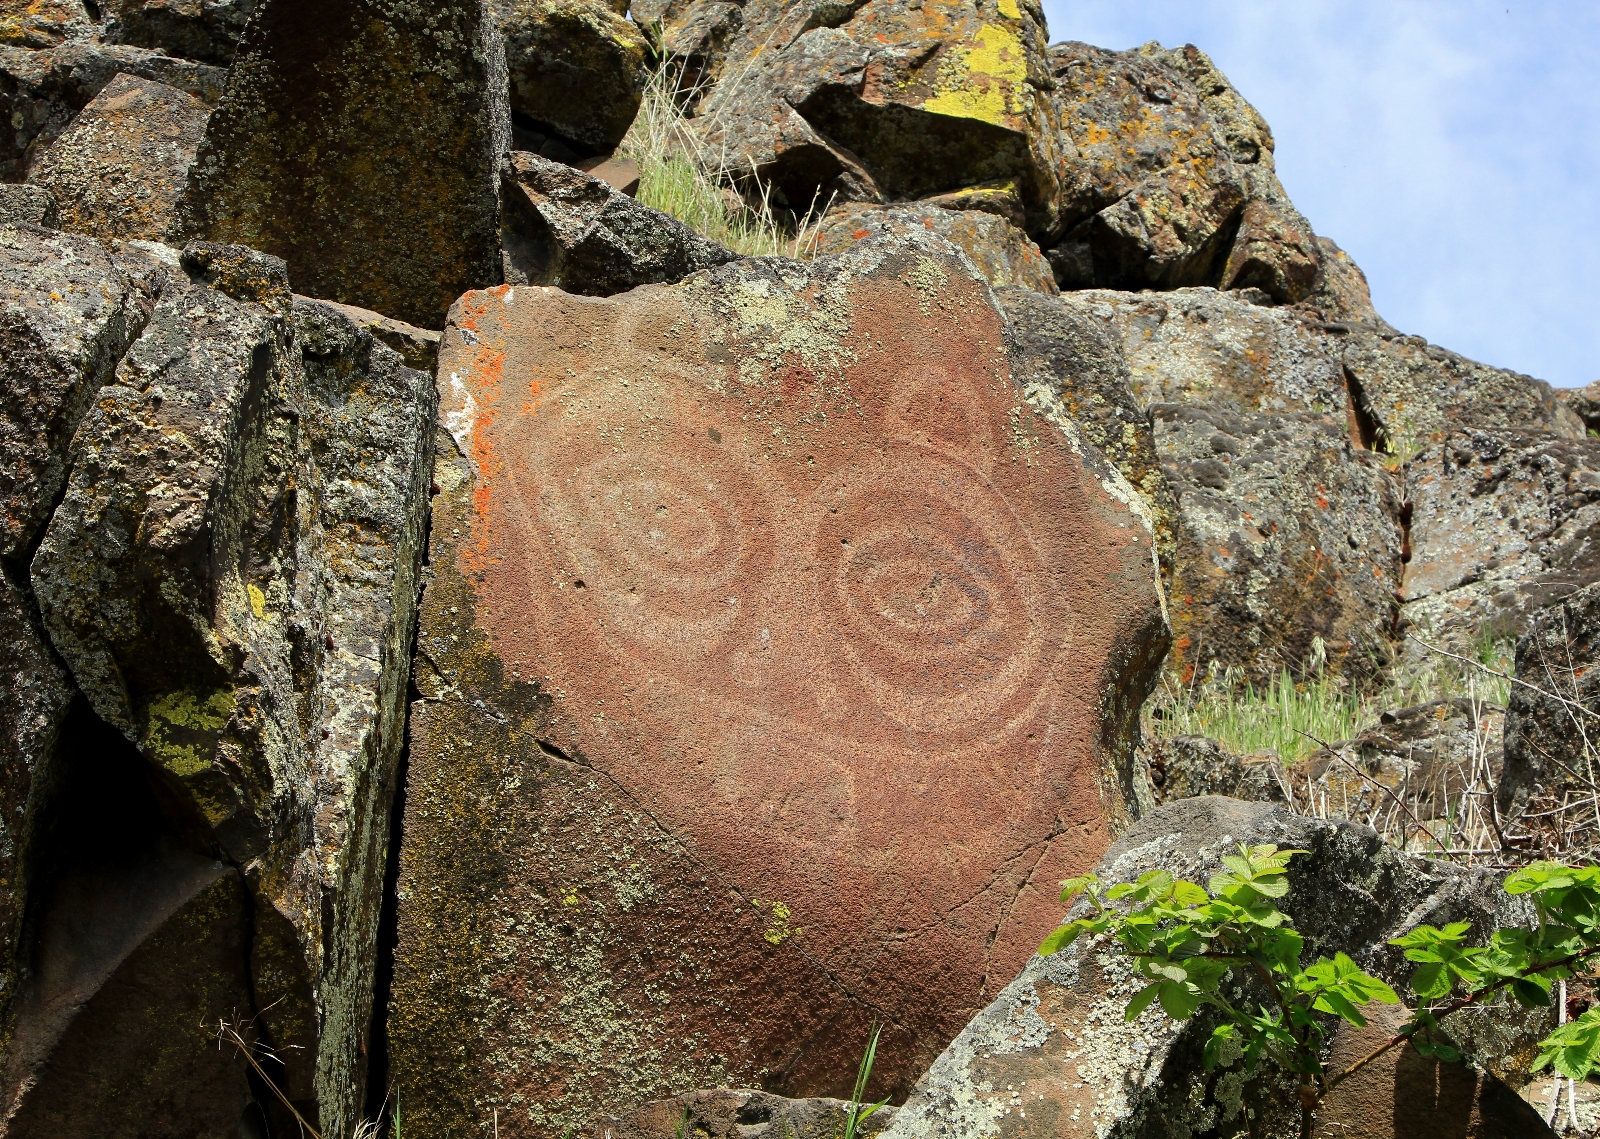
{"x":679,"y":178}
{"x":1281,"y":715}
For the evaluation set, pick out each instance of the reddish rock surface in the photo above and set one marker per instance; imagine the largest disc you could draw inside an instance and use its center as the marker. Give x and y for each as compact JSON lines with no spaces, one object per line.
{"x":775,"y":669}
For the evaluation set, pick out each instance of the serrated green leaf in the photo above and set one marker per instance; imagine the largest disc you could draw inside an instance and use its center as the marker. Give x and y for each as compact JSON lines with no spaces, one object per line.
{"x":1178,"y":1000}
{"x":1530,"y":994}
{"x":1430,"y":981}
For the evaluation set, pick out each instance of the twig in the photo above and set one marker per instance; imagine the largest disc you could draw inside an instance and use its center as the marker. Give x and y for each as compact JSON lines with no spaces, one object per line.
{"x":1329,"y":748}
{"x":1506,"y":676}
{"x":228,"y":1032}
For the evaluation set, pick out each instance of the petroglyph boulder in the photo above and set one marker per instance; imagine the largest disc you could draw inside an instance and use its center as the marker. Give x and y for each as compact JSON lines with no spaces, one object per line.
{"x":776,"y":655}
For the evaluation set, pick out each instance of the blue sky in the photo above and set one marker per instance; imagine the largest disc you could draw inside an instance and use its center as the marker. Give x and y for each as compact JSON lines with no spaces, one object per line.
{"x":1452,"y":147}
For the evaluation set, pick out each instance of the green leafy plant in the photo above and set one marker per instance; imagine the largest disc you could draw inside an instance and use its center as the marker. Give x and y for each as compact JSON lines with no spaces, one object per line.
{"x":858,"y":1111}
{"x":1187,"y":940}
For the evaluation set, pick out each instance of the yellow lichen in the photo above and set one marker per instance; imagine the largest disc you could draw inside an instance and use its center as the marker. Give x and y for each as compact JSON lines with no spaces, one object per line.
{"x":185,"y":712}
{"x":258,"y":602}
{"x":983,"y":81}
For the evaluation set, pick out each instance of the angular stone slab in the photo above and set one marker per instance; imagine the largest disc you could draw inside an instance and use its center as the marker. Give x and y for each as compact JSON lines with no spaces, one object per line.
{"x":67,"y":313}
{"x":231,"y":579}
{"x":119,"y":170}
{"x":360,"y":141}
{"x":778,"y":661}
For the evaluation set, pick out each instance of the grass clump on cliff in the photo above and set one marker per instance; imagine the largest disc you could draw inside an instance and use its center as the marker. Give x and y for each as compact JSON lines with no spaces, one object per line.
{"x":681,"y":179}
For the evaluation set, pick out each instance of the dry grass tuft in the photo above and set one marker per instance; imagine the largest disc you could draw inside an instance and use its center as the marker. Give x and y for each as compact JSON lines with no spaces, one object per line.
{"x":681,"y":179}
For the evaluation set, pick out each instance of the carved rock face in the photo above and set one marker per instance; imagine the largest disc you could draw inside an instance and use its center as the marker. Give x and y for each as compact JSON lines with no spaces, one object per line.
{"x":771,"y":678}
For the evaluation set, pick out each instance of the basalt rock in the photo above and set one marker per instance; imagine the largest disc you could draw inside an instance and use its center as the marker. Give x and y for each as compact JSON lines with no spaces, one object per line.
{"x":748,"y":708}
{"x":1585,"y":402}
{"x":866,"y":102}
{"x":1501,"y":524}
{"x":42,"y":91}
{"x":1060,"y":349}
{"x":1184,"y":767}
{"x":577,"y":69}
{"x":28,"y":205}
{"x":1053,"y":1054}
{"x":419,"y":347}
{"x":1288,"y":550}
{"x":727,"y":1113}
{"x":1427,"y":756}
{"x":1169,"y":180}
{"x":140,"y":952}
{"x":230,"y":579}
{"x":67,"y":313}
{"x":566,"y":228}
{"x":1550,"y":731}
{"x":120,"y":169}
{"x":1002,"y":252}
{"x":40,"y":23}
{"x":207,"y":30}
{"x":310,"y":156}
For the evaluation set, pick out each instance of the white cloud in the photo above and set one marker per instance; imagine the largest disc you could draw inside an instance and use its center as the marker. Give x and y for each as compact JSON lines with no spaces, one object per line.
{"x":1452,"y":147}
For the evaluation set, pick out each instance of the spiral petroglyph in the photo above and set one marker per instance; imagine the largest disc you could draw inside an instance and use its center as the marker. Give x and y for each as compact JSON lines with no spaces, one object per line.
{"x":662,"y":543}
{"x":929,"y":593}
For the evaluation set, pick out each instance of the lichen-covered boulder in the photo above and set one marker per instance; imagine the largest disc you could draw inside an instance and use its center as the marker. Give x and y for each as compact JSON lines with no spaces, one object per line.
{"x":41,"y":23}
{"x":1585,"y":402}
{"x":1416,"y":392}
{"x":360,"y":141}
{"x":1551,"y":727}
{"x":776,"y":650}
{"x":42,"y":91}
{"x":1003,"y":253}
{"x":206,"y":30}
{"x":231,"y":580}
{"x":1501,"y":523}
{"x":120,"y":169}
{"x":1168,"y":178}
{"x":1342,"y":294}
{"x":1289,"y":544}
{"x":865,"y":102}
{"x":1060,"y":348}
{"x":1184,"y":767}
{"x":1054,"y":1055}
{"x":577,"y":69}
{"x":566,"y":228}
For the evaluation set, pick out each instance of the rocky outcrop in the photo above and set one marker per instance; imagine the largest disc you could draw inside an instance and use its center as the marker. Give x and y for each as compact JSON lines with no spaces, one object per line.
{"x":307,"y":158}
{"x":120,"y":169}
{"x":577,"y":70}
{"x":1186,"y":767}
{"x":28,"y":205}
{"x":1169,"y":179}
{"x":216,"y":498}
{"x":1585,"y":402}
{"x":748,"y":712}
{"x":869,"y":102}
{"x":1501,"y":523}
{"x":42,"y":23}
{"x":565,"y":228}
{"x":1552,"y":737}
{"x":1054,"y":1053}
{"x":206,"y":30}
{"x":68,"y":312}
{"x":1002,"y":252}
